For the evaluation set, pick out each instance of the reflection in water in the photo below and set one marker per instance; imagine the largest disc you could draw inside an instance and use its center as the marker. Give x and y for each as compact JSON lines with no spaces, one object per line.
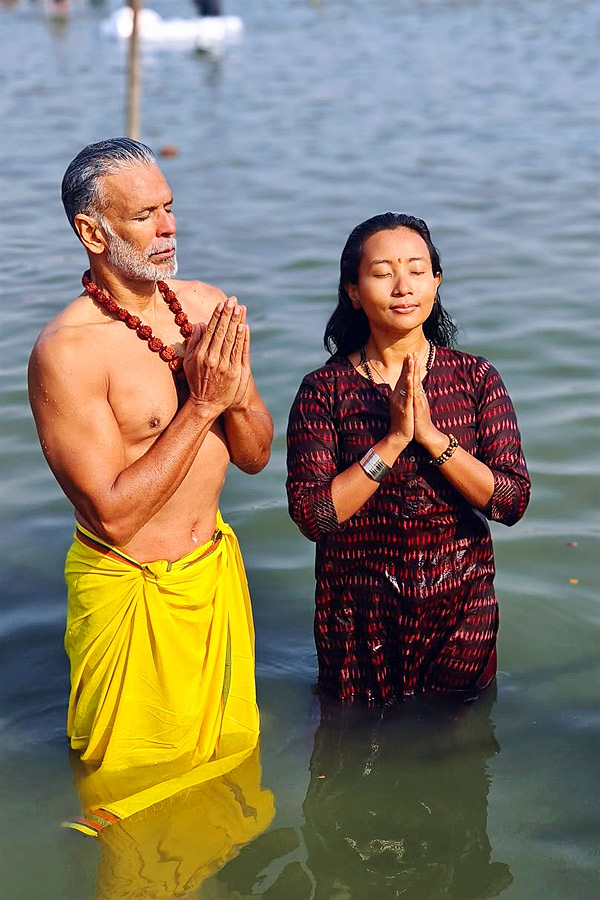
{"x":397,"y":804}
{"x":396,"y":808}
{"x":169,"y":849}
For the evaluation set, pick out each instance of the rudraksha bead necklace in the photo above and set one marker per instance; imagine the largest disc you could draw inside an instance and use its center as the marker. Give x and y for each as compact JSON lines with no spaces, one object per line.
{"x":144,"y":332}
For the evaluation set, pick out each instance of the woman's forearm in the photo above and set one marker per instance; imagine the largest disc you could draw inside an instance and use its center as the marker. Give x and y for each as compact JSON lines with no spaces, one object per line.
{"x":469,"y":476}
{"x":353,"y":487}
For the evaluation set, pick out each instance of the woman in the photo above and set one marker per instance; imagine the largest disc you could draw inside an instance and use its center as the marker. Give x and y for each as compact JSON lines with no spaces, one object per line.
{"x":399,"y":448}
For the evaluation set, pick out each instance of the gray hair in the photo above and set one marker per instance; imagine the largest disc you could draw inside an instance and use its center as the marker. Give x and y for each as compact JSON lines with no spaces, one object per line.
{"x":81,"y":191}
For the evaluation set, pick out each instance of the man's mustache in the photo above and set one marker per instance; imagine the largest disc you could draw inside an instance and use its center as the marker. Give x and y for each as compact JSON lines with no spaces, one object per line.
{"x":163,"y":246}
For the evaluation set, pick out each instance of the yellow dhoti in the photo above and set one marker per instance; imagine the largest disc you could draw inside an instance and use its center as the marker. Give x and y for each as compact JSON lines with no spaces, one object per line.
{"x":162,"y":671}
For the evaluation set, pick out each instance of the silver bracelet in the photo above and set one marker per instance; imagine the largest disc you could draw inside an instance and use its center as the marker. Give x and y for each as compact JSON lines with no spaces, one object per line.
{"x":373,"y":465}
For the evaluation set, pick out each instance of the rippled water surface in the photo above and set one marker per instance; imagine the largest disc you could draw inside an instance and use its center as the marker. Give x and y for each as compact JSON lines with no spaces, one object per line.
{"x":481,"y":118}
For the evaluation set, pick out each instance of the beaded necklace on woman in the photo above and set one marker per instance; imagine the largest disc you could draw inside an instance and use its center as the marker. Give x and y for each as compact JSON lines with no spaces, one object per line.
{"x":365,"y":363}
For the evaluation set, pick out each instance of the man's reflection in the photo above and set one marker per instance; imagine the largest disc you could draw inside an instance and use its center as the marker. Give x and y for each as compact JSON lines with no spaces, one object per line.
{"x":169,"y":849}
{"x":397,"y":804}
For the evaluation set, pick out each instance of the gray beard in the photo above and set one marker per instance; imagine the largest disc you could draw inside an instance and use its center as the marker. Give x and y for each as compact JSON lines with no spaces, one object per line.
{"x":136,"y":264}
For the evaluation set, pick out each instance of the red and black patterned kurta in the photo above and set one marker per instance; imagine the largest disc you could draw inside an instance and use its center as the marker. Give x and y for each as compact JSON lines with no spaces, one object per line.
{"x":405,"y":601}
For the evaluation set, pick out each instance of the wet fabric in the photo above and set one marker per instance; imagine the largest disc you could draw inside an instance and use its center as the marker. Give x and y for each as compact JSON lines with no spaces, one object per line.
{"x":405,"y":601}
{"x":162,"y":672}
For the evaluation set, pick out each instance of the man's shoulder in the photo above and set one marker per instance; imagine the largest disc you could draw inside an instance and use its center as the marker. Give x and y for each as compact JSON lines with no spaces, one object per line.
{"x":198,"y":298}
{"x":65,"y":334}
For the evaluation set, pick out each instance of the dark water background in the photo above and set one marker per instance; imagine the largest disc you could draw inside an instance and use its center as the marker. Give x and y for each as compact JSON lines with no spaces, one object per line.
{"x":480,"y":116}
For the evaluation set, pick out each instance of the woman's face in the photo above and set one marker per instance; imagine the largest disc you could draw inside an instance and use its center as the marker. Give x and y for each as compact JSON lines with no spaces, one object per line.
{"x":396,"y":286}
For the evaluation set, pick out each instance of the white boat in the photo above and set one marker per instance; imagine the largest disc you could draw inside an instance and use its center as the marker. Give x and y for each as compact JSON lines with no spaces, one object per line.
{"x":204,"y":32}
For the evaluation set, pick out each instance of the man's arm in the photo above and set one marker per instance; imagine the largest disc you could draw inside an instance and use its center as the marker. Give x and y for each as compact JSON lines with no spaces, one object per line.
{"x":81,"y":440}
{"x":249,"y":432}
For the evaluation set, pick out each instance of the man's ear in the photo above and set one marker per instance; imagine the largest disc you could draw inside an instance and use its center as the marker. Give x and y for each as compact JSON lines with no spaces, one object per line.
{"x":352,"y":291}
{"x":91,"y":234}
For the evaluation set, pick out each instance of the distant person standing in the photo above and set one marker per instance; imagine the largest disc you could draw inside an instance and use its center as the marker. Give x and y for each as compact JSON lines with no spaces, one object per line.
{"x":57,"y":7}
{"x":208,"y":7}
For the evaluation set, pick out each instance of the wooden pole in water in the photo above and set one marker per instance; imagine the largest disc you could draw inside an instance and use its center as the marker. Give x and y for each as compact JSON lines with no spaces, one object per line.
{"x":133,"y":75}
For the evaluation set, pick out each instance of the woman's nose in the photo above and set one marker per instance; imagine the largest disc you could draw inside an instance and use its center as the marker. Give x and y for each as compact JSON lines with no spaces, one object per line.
{"x":402,"y":284}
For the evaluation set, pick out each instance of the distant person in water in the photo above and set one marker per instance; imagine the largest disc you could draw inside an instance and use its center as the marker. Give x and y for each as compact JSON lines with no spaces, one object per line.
{"x":139,"y":411}
{"x":208,"y":7}
{"x":399,"y":449}
{"x":57,"y":7}
{"x":204,"y":7}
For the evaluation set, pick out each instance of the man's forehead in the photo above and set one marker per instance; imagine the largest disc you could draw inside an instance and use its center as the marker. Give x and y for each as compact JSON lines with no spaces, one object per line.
{"x":136,"y":185}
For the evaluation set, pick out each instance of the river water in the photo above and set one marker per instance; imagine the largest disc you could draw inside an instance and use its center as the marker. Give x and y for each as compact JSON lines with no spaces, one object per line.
{"x":479,"y":116}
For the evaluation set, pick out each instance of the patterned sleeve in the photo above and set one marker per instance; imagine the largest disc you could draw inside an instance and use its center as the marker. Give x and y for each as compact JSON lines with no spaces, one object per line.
{"x":312,"y":461}
{"x":499,"y":447}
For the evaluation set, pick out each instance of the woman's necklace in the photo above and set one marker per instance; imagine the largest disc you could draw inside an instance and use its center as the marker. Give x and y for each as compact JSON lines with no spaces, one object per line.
{"x":144,"y":332}
{"x":365,"y":363}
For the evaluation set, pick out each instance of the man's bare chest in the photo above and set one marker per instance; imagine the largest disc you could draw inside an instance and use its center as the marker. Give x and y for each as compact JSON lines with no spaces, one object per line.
{"x":144,"y":402}
{"x":142,"y":392}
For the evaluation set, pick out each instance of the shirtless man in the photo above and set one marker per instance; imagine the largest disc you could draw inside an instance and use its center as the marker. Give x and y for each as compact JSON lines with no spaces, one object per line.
{"x":142,"y":453}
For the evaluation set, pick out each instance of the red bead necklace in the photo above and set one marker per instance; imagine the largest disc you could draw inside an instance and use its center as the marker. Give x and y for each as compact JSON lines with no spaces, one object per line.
{"x":144,"y":332}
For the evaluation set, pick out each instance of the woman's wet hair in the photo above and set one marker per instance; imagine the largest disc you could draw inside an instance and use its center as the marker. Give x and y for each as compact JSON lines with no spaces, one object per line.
{"x":348,"y":328}
{"x":81,"y":185}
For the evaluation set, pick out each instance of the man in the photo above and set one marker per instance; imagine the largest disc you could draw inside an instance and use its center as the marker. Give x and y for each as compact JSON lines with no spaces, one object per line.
{"x":139,"y":413}
{"x":208,"y":7}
